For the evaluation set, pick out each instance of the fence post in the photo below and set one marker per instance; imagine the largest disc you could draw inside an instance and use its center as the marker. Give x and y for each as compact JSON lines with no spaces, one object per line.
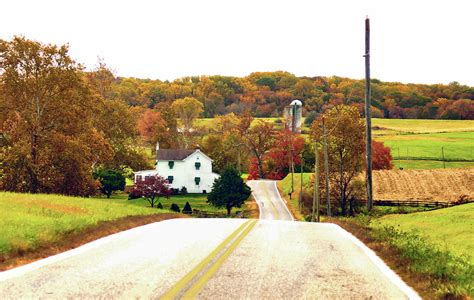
{"x":444,"y":162}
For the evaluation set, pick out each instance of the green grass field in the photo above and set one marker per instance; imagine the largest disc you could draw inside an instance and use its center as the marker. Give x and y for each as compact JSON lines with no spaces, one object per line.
{"x":197,"y":201}
{"x":449,"y":228}
{"x":419,"y":144}
{"x":27,"y":220}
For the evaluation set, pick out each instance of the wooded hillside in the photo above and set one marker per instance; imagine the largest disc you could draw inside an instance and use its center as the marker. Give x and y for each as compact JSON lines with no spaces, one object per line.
{"x":266,"y":93}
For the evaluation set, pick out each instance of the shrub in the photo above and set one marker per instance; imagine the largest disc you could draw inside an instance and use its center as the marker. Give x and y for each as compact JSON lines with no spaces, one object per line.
{"x":110,"y":181}
{"x":187,"y":209}
{"x":174,"y":207}
{"x":134,"y":194}
{"x":160,"y":206}
{"x":174,"y":191}
{"x":183,"y":191}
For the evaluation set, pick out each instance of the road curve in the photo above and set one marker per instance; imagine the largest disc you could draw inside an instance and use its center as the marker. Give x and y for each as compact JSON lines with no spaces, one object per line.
{"x":227,"y":258}
{"x":269,"y":200}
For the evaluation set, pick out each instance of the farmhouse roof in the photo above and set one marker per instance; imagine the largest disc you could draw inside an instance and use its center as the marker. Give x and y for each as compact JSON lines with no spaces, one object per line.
{"x":173,"y":154}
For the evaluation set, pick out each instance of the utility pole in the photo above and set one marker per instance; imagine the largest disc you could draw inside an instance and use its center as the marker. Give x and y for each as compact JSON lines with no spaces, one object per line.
{"x":300,"y":201}
{"x":326,"y":168}
{"x":293,"y":130}
{"x":316,"y":184}
{"x":368,"y":129}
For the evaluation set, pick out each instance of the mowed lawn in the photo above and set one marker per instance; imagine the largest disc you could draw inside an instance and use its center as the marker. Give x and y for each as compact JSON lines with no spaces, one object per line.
{"x":27,"y":221}
{"x":450,"y":228}
{"x":197,"y":201}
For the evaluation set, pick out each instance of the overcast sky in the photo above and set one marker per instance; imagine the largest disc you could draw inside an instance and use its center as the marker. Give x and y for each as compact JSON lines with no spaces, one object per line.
{"x":412,"y":41}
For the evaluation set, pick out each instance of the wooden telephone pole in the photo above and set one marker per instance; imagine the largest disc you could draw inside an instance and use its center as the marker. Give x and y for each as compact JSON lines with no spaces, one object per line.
{"x":326,"y":168}
{"x":368,"y":129}
{"x":316,"y":184}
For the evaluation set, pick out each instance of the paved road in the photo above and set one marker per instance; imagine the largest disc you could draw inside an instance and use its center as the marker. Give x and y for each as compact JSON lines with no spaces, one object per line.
{"x":213,"y":259}
{"x":269,"y":201}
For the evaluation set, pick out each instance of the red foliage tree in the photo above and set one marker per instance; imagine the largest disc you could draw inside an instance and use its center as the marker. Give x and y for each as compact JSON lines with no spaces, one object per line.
{"x":152,"y":188}
{"x":381,"y":156}
{"x":288,"y":145}
{"x":277,"y":162}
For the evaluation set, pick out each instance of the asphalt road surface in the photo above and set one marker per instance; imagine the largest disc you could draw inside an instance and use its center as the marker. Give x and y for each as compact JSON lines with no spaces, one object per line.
{"x":269,"y":201}
{"x":212,"y":259}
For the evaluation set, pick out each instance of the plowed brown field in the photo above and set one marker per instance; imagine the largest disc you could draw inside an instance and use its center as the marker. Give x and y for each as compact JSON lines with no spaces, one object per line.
{"x":443,"y":185}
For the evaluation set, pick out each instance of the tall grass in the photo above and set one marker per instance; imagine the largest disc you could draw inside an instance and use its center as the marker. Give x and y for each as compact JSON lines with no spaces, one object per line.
{"x":449,"y":273}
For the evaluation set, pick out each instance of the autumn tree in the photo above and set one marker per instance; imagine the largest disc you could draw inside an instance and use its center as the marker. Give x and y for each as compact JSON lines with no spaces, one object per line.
{"x":287,"y":148}
{"x":260,"y":139}
{"x":49,"y":141}
{"x":381,"y":156}
{"x":346,"y":146}
{"x":116,"y":122}
{"x":152,"y":188}
{"x":188,"y":110}
{"x":152,"y":127}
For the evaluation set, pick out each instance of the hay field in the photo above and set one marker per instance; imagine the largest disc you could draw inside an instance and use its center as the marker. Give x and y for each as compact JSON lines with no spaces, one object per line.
{"x":443,"y":185}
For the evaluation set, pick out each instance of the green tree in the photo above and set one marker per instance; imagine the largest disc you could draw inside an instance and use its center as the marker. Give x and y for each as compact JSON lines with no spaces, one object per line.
{"x":229,"y":190}
{"x":110,"y":181}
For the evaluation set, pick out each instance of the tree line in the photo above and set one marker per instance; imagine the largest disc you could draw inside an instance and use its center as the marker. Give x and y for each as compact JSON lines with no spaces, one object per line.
{"x":265,"y":94}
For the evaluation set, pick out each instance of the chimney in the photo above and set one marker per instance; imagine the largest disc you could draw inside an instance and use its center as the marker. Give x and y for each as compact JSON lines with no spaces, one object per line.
{"x":197,"y":147}
{"x":157,"y":146}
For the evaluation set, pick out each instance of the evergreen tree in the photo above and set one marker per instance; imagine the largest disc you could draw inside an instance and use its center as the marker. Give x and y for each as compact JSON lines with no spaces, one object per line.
{"x":187,"y":209}
{"x":110,"y":181}
{"x":229,"y":190}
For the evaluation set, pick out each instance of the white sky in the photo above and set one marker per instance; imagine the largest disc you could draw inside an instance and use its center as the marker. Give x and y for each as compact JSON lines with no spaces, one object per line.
{"x":412,"y":41}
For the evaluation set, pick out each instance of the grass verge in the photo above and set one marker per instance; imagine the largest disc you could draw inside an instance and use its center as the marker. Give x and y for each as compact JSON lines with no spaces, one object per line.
{"x":450,"y":228}
{"x":432,"y":271}
{"x":34,"y":225}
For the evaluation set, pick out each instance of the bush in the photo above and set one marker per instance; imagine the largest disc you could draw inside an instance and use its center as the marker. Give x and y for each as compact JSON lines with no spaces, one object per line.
{"x":134,"y":195}
{"x":160,"y":206}
{"x":184,"y":190}
{"x":174,"y":192}
{"x":187,"y":209}
{"x":174,"y":207}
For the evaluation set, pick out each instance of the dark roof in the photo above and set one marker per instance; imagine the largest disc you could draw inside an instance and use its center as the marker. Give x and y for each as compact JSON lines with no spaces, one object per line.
{"x":173,"y":154}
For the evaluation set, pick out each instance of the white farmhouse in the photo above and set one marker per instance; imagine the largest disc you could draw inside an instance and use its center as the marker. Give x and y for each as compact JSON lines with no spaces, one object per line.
{"x":182,"y":167}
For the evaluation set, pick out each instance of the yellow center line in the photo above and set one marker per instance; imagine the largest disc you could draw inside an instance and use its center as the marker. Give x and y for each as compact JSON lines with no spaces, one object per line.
{"x":196,"y":288}
{"x":275,"y":211}
{"x":171,"y":294}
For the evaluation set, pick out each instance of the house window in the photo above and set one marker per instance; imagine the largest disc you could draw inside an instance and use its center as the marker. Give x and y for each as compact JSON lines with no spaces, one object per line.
{"x":170,"y":179}
{"x":139,"y":178}
{"x":197,"y":180}
{"x":147,"y":178}
{"x":171,"y":164}
{"x":197,"y":165}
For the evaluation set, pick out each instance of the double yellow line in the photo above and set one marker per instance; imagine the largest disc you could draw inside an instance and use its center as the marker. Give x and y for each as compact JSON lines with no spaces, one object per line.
{"x":276,"y":215}
{"x":190,"y":293}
